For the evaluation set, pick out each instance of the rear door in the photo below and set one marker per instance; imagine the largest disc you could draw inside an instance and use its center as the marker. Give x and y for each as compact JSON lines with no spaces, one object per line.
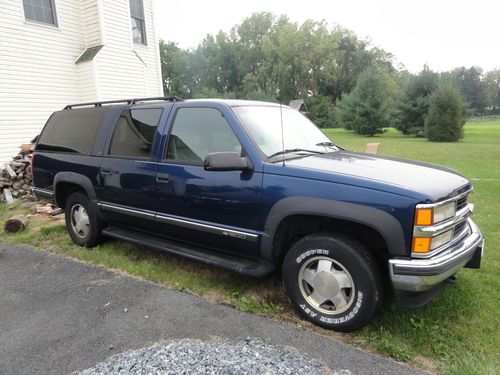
{"x":128,"y":167}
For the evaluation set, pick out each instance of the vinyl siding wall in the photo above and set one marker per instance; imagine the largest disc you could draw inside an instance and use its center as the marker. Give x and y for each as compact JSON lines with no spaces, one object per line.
{"x":130,"y":69}
{"x":38,"y":74}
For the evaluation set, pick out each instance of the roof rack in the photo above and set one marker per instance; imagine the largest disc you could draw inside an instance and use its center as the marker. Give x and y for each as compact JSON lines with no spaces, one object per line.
{"x":127,"y":101}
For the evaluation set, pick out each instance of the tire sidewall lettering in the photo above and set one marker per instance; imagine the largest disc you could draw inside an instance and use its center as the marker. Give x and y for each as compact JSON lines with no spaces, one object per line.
{"x":308,"y":253}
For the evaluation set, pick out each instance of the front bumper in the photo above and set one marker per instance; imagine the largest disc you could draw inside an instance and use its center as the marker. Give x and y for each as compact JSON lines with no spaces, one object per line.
{"x":419,"y":275}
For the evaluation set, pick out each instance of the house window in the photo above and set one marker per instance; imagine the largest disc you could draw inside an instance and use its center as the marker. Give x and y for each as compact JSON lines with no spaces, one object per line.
{"x":138,"y":25}
{"x":40,"y":11}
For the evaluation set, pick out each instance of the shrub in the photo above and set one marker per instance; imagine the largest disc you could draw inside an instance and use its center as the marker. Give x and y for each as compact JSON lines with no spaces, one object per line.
{"x":445,"y":119}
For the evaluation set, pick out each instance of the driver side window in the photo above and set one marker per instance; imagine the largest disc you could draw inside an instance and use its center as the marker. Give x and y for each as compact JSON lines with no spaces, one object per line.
{"x":197,"y":132}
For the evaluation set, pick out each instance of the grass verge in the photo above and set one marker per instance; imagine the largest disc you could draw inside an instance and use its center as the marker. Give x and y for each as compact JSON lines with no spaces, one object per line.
{"x":458,"y":333}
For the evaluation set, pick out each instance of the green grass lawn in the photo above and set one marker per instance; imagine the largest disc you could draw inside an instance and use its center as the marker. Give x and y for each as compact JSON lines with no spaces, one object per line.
{"x":457,"y":333}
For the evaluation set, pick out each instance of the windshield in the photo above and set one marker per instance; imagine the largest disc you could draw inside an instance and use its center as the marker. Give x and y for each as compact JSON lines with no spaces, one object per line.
{"x":300,"y":134}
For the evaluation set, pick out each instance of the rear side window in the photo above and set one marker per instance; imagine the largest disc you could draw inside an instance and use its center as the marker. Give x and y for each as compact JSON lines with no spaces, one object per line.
{"x":72,"y":130}
{"x":134,"y":133}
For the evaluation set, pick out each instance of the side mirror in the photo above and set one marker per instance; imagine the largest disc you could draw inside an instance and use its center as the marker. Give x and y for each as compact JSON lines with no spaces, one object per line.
{"x":226,"y":161}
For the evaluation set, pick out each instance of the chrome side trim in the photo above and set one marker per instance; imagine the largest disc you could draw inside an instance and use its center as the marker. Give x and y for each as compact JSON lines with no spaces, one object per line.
{"x":143,"y":214}
{"x":422,"y":274}
{"x":151,"y":215}
{"x":207,"y":228}
{"x":43,"y":192}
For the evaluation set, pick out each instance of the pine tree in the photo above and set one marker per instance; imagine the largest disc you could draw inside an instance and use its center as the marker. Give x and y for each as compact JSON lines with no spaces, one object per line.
{"x":445,"y":119}
{"x":365,"y":110}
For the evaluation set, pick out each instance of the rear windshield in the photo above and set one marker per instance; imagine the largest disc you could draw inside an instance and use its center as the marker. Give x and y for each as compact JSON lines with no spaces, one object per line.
{"x":72,"y":130}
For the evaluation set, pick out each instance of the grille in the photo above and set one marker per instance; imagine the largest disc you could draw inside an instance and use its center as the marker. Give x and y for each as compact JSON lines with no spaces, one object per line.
{"x":461,"y":203}
{"x":458,"y":229}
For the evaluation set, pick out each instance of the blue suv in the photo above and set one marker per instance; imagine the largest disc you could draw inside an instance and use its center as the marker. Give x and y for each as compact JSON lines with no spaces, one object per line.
{"x":257,"y":188}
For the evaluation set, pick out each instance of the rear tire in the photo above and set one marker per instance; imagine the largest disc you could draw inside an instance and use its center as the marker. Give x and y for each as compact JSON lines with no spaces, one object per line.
{"x":82,"y":222}
{"x":333,"y":281}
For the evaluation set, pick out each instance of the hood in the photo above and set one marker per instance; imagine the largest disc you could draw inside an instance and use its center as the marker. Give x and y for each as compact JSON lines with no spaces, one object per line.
{"x":430,"y":180}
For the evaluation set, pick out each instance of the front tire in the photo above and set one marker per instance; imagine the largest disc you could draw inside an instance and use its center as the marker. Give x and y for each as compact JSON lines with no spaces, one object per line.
{"x":82,"y":222}
{"x":333,"y":281}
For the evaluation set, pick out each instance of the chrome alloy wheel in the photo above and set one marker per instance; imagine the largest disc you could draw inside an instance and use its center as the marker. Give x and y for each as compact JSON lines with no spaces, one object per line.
{"x":80,"y":222}
{"x":326,"y":285}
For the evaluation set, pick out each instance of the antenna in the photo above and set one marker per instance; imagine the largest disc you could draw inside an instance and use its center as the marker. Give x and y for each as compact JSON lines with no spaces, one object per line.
{"x":282,"y":134}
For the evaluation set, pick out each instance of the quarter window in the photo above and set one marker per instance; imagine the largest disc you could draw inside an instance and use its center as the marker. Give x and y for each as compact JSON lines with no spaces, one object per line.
{"x":137,"y":19}
{"x":196,"y":132}
{"x":40,"y":11}
{"x":134,"y":133}
{"x":72,"y":130}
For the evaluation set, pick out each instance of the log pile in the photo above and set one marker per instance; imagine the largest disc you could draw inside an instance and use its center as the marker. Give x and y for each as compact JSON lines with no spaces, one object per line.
{"x":15,"y":177}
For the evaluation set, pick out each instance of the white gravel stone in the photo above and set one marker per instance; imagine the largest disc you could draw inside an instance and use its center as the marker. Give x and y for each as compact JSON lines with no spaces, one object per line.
{"x":223,"y":357}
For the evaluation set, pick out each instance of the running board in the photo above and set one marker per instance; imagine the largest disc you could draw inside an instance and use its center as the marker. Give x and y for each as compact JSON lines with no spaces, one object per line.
{"x":243,"y":266}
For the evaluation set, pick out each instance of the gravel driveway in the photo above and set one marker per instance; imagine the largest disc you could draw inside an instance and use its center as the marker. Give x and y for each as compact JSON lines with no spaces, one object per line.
{"x":58,"y":315}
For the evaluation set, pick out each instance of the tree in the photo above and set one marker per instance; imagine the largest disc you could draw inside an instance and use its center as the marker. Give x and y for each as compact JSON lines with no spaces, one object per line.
{"x":445,"y":119}
{"x":413,"y":107}
{"x":366,"y":109}
{"x":492,"y":84}
{"x":472,"y":87}
{"x":173,"y":61}
{"x":321,"y":111}
{"x":271,"y":57}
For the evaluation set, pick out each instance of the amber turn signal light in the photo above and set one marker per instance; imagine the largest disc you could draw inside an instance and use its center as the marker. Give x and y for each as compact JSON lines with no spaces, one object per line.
{"x":423,"y":216}
{"x":421,"y":245}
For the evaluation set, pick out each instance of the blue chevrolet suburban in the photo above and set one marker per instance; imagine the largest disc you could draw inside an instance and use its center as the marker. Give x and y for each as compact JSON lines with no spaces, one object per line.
{"x":257,"y":188}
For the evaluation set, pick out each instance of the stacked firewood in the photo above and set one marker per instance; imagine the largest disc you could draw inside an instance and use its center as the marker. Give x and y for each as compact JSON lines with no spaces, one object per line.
{"x":15,"y":177}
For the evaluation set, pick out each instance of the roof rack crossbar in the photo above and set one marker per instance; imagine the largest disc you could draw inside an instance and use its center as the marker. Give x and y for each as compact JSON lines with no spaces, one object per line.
{"x":127,"y":101}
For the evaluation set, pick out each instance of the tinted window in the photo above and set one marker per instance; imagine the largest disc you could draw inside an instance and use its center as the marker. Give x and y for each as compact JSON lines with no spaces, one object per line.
{"x":72,"y":130}
{"x":40,"y":11}
{"x":134,"y":133}
{"x":196,"y":132}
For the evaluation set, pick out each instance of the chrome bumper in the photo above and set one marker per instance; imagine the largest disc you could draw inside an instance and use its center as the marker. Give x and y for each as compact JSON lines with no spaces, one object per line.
{"x":418,"y":275}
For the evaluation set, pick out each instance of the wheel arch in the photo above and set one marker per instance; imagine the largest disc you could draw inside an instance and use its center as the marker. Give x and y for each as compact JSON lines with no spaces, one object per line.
{"x":377,"y":224}
{"x":66,"y":183}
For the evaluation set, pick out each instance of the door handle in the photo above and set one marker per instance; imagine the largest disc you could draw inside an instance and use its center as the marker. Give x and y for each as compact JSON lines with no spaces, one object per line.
{"x":106,"y":171}
{"x":162,"y":177}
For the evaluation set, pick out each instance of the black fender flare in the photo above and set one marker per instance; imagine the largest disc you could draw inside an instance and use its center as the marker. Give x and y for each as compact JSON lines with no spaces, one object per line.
{"x":76,"y":179}
{"x":382,"y":222}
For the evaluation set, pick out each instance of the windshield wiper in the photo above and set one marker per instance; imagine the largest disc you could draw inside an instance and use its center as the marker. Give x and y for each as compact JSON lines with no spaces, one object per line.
{"x":287,"y":151}
{"x":329,"y":144}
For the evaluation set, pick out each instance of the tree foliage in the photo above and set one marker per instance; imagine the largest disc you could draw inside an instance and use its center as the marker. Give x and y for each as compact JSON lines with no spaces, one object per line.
{"x":271,"y":57}
{"x":446,"y":115}
{"x":492,"y":87}
{"x":470,"y":83}
{"x":343,"y":80}
{"x":412,"y":108}
{"x":366,"y":109}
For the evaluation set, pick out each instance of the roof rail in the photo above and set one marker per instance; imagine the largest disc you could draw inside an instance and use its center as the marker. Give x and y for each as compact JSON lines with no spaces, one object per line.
{"x":127,"y":101}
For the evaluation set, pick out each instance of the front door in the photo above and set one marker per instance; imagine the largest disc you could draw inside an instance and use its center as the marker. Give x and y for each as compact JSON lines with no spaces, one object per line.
{"x":128,"y":172}
{"x":217,"y":209}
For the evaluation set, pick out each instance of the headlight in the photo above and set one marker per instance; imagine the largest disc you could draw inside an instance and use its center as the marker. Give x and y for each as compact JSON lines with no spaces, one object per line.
{"x":427,"y":215}
{"x":444,"y":212}
{"x":430,"y":216}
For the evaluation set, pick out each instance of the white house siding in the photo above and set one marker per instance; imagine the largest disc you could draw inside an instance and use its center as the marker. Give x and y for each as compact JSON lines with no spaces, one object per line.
{"x":118,"y":64}
{"x":38,"y":74}
{"x":91,"y":25}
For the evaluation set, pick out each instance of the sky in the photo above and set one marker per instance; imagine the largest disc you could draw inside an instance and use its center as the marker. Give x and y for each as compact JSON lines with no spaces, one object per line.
{"x":441,"y":33}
